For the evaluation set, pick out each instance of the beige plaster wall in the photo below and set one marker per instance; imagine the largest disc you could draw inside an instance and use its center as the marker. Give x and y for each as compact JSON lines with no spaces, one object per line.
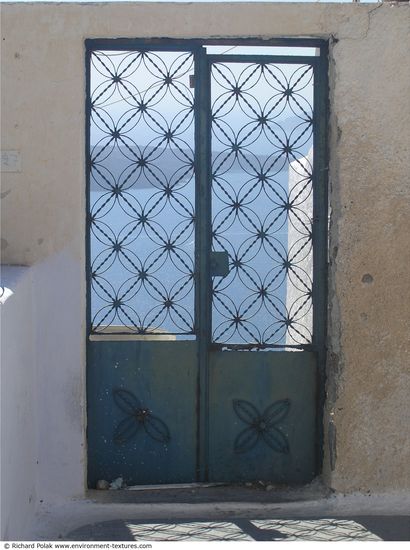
{"x":369,"y":332}
{"x":43,"y":210}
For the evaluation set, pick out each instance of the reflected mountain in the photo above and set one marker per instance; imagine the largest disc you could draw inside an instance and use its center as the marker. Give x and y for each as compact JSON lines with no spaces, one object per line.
{"x":141,"y":167}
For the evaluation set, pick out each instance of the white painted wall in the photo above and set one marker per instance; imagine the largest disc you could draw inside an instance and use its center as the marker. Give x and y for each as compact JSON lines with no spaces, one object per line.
{"x":59,"y":334}
{"x":19,"y":428}
{"x":42,"y":390}
{"x":302,"y":272}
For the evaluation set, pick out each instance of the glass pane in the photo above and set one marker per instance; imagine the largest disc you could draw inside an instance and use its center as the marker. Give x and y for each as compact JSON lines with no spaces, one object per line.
{"x":261,"y":50}
{"x":262,"y":146}
{"x":142,"y":192}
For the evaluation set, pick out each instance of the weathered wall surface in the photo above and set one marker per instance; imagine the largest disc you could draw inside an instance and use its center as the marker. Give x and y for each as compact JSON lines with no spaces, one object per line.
{"x":369,"y":336}
{"x":43,"y":92}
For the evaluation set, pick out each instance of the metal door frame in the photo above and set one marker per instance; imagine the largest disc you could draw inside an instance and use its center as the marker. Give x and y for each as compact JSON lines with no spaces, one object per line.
{"x":202,"y":117}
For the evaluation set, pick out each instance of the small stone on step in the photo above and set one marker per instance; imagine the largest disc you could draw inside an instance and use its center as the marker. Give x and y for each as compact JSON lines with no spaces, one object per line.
{"x":102,"y":485}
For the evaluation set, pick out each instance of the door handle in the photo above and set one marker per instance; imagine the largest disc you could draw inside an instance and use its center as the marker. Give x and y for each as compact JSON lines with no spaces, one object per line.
{"x":219,"y":264}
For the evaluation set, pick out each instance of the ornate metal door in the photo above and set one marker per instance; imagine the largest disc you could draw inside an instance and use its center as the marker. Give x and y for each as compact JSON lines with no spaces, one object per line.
{"x":206,"y":262}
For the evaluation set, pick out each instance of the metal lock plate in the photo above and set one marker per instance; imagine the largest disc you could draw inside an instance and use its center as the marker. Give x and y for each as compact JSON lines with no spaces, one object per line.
{"x":219,"y":264}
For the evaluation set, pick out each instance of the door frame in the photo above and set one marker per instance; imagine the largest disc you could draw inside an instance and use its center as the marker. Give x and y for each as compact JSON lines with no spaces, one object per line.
{"x":202,"y":114}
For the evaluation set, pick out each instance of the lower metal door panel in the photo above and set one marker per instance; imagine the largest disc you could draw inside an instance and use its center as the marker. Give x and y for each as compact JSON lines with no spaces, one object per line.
{"x":142,"y":412}
{"x":262,"y":416}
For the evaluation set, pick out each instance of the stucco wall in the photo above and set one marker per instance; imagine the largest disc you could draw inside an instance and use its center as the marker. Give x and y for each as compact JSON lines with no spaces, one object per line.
{"x":43,"y":91}
{"x":370,"y":255}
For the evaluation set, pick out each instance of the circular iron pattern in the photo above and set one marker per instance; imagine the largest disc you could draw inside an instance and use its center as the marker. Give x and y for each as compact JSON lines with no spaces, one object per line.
{"x":142,"y":213}
{"x":262,"y":139}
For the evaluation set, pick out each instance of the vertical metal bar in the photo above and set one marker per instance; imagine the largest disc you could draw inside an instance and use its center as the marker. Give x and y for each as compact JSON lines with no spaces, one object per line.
{"x":87,"y":185}
{"x":202,"y":252}
{"x":87,"y":232}
{"x":320,"y":235}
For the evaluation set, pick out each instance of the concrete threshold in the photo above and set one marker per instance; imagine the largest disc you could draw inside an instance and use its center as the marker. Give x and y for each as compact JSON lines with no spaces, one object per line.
{"x":190,"y":512}
{"x":213,"y":493}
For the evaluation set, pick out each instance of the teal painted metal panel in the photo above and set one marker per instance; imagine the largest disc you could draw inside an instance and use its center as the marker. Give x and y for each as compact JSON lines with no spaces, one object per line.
{"x":262,"y":416}
{"x":142,"y":411}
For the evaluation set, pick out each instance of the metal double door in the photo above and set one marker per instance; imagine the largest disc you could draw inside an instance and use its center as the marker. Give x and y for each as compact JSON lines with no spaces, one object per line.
{"x":206,"y":259}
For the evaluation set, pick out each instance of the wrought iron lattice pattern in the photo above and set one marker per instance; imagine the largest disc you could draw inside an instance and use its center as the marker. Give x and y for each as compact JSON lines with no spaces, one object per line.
{"x":142,"y":212}
{"x":262,"y":139}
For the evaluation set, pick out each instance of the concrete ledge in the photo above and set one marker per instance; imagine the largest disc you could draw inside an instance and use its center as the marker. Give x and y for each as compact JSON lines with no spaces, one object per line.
{"x":60,"y":519}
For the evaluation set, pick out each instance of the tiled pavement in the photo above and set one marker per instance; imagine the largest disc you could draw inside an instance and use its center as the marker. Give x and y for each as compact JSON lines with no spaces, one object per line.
{"x":360,"y":528}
